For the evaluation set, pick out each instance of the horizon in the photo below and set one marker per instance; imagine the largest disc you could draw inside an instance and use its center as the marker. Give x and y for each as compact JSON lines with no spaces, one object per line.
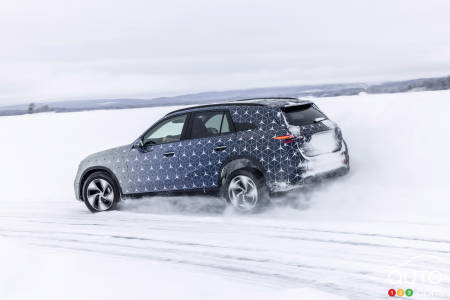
{"x":373,"y":83}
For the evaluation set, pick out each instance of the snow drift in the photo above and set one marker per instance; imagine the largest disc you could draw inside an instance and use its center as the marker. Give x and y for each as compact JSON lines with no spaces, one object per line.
{"x":339,"y":237}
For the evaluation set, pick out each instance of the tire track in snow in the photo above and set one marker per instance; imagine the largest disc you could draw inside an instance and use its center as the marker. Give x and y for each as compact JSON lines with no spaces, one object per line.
{"x":288,"y":256}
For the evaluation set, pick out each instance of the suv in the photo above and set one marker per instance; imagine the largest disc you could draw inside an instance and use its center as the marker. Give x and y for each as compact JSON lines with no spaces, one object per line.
{"x":243,"y":149}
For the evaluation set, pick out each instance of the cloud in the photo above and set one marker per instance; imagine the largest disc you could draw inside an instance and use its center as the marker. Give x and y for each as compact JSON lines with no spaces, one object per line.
{"x":57,"y":50}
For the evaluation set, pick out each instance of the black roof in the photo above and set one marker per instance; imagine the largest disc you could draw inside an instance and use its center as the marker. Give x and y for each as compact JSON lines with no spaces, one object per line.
{"x":269,"y":101}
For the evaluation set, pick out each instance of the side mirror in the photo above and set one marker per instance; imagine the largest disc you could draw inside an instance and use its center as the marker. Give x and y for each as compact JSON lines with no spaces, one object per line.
{"x":137,"y":145}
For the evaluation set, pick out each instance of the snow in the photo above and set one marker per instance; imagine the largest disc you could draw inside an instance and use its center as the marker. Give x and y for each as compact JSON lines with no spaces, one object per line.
{"x":56,"y":274}
{"x":339,"y":238}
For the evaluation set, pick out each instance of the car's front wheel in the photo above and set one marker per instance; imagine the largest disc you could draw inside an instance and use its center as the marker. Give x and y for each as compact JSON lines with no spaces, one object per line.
{"x":246,"y":191}
{"x":100,"y":192}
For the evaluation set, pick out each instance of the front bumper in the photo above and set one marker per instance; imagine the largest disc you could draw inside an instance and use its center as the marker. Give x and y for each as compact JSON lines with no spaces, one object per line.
{"x":76,"y":185}
{"x":77,"y":190}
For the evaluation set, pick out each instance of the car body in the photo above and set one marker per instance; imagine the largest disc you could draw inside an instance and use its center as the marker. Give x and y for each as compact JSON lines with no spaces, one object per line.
{"x":284,"y":141}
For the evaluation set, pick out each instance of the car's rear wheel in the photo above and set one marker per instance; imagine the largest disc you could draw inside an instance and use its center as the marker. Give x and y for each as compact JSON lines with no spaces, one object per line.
{"x":246,"y":191}
{"x":100,"y":192}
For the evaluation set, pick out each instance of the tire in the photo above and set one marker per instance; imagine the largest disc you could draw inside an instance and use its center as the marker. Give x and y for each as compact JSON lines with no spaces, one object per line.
{"x":245,"y":191}
{"x":100,"y":192}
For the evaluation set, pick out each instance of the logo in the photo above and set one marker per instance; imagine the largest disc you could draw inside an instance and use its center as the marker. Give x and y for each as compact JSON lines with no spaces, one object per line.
{"x":400,"y":292}
{"x":418,"y":269}
{"x":421,"y":273}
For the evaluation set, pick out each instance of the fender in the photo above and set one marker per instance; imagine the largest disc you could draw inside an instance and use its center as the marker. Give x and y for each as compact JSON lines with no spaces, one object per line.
{"x":93,"y":169}
{"x":234,"y":163}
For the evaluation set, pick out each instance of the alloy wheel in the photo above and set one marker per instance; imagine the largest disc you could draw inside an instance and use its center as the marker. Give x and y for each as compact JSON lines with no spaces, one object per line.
{"x":243,"y":193}
{"x":100,"y":194}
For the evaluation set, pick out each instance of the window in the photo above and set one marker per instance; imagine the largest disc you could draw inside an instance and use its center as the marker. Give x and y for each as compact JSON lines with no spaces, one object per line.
{"x":225,"y":125}
{"x":165,"y":132}
{"x":209,"y":123}
{"x":302,"y":115}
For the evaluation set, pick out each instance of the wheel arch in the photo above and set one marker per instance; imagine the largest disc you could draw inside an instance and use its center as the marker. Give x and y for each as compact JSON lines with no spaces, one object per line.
{"x":240,"y":162}
{"x":92,"y":170}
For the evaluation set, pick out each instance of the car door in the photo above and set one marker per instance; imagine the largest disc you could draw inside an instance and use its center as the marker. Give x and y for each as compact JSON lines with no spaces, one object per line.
{"x":153,"y":165}
{"x":207,"y":146}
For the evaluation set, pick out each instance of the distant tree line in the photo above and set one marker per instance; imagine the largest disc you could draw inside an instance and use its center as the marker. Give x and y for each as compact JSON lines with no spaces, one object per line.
{"x":327,"y":90}
{"x":33,"y":108}
{"x":425,"y":84}
{"x":438,"y":84}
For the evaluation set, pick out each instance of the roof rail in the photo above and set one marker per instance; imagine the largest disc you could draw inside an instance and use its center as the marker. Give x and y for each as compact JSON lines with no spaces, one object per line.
{"x":263,"y":98}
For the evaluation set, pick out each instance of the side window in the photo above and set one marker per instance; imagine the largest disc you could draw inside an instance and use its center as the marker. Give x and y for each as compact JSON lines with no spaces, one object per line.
{"x":225,"y":125}
{"x":209,"y":123}
{"x":166,"y":131}
{"x":213,"y":123}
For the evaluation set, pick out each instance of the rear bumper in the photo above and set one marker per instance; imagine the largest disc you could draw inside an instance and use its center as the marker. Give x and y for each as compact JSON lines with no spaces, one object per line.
{"x":313,"y":169}
{"x":324,"y":164}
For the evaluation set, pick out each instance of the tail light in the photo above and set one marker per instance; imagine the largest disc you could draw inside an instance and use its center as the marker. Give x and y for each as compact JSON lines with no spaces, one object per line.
{"x":286,"y":138}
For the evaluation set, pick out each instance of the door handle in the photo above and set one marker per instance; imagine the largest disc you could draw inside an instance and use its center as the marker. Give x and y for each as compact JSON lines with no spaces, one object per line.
{"x":169,"y":154}
{"x":220,"y":148}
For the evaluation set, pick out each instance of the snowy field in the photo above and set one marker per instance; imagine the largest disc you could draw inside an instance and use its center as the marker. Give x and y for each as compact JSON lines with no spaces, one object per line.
{"x":383,"y":226}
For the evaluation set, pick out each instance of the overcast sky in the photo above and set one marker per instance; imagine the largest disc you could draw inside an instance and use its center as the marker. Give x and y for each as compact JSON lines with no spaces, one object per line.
{"x":84,"y":49}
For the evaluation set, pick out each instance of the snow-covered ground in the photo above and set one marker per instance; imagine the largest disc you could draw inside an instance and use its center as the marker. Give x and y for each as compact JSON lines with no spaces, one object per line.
{"x":383,"y":226}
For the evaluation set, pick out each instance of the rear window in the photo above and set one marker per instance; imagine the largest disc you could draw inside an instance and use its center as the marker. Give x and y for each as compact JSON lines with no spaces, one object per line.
{"x":302,"y":115}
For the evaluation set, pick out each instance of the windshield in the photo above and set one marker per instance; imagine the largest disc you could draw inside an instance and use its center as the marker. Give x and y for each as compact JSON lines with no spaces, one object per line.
{"x":302,"y":114}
